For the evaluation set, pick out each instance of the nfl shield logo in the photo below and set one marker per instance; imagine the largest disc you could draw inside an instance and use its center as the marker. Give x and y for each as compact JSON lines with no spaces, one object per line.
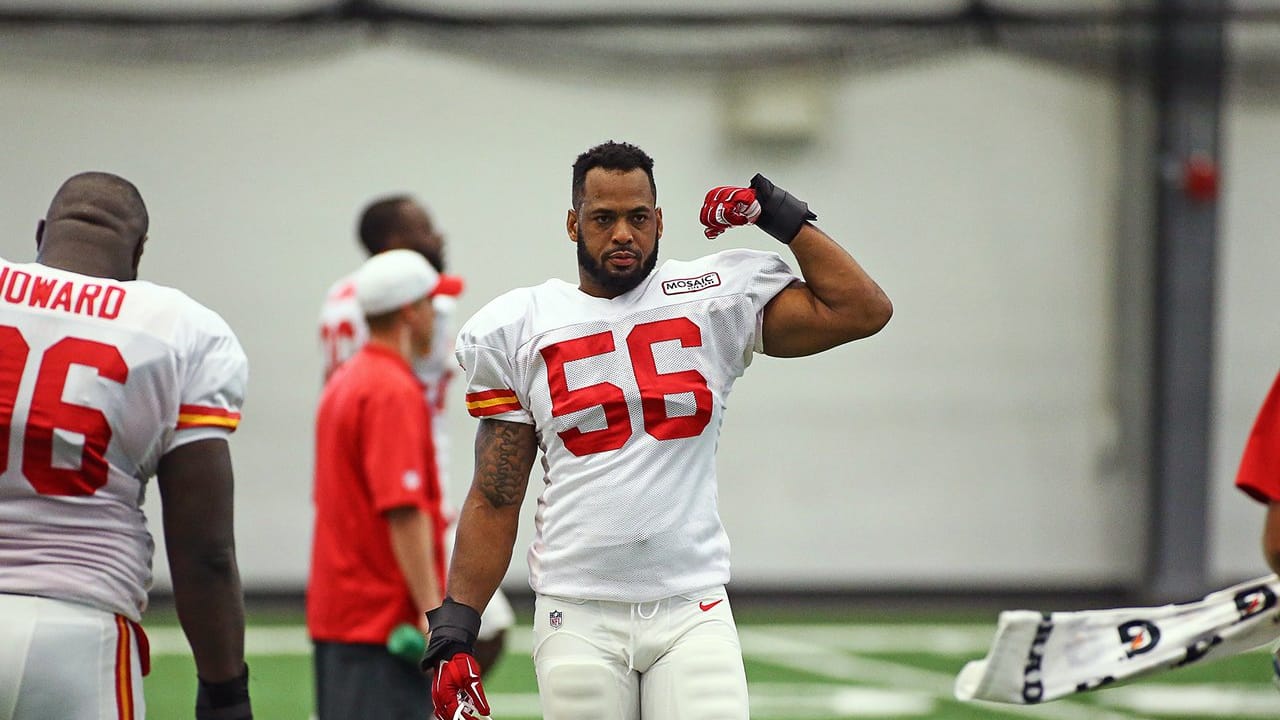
{"x":557,"y":619}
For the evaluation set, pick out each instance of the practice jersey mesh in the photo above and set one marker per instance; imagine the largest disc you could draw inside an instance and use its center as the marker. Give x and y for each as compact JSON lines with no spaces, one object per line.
{"x":98,"y":380}
{"x":626,"y":397}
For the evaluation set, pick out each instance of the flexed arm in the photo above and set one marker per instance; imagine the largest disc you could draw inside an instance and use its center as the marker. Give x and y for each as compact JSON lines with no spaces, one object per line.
{"x":838,"y":302}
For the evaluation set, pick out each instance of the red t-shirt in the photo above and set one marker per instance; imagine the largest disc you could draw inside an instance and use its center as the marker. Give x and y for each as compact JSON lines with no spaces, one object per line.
{"x":1259,"y":474}
{"x":373,"y":454}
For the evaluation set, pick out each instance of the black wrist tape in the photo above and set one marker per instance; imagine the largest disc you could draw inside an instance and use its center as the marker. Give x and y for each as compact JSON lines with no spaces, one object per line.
{"x":781,"y":213}
{"x":226,"y":700}
{"x":454,"y":627}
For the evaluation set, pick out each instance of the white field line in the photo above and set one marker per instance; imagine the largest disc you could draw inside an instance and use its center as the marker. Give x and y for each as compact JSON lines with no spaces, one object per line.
{"x":825,"y":650}
{"x":801,"y":702}
{"x":768,"y":700}
{"x":934,"y":639}
{"x":778,"y":701}
{"x":796,"y":701}
{"x":1236,"y":701}
{"x":269,"y":640}
{"x":775,"y":647}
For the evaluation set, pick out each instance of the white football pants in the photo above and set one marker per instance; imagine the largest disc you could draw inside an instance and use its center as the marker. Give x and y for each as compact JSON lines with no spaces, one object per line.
{"x":672,"y":659}
{"x":65,"y":661}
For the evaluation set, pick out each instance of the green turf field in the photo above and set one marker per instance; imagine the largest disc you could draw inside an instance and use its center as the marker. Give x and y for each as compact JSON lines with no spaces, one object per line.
{"x":886,"y":668}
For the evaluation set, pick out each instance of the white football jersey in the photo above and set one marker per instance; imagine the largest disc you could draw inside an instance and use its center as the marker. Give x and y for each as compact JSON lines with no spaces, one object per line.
{"x":98,"y":380}
{"x":626,"y":396}
{"x":343,"y":331}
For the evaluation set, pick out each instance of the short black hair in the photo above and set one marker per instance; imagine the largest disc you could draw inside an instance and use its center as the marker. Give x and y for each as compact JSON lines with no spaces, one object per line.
{"x":379,"y":220}
{"x":610,"y":156}
{"x":118,"y":200}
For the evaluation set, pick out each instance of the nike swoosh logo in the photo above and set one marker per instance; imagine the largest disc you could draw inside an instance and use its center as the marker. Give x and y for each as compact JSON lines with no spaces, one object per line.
{"x":705,"y":606}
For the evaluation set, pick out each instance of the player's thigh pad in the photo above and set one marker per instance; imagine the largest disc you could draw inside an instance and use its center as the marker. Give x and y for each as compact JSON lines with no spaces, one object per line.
{"x":67,"y":661}
{"x":701,"y":677}
{"x":582,"y":673}
{"x":497,"y":616}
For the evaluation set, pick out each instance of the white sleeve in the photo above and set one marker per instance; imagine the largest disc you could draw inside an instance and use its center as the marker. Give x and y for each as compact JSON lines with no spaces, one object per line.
{"x":214,"y":375}
{"x":772,"y":275}
{"x":491,"y":390}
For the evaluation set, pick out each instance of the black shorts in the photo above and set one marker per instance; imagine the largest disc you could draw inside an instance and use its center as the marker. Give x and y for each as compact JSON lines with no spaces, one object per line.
{"x":362,"y":682}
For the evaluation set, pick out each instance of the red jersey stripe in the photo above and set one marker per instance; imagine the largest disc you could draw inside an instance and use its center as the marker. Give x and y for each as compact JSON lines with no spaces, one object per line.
{"x":207,"y":410}
{"x":190,"y":421}
{"x":124,"y":671}
{"x":492,"y":402}
{"x":144,"y":647}
{"x":487,"y":394}
{"x":492,"y":409}
{"x":190,"y":416}
{"x":503,"y":400}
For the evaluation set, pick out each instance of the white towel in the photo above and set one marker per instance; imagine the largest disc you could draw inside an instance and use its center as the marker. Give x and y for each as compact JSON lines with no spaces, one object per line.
{"x":1036,"y":657}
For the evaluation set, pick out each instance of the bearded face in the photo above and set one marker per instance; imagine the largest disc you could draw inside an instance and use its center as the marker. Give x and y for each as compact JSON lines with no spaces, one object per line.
{"x":616,"y":228}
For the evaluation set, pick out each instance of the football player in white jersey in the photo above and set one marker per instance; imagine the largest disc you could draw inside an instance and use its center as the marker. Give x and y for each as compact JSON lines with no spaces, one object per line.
{"x":106,"y":381}
{"x":621,"y":382}
{"x":391,"y":223}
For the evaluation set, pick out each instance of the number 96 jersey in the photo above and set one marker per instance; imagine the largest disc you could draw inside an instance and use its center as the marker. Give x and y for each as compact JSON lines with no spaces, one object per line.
{"x":98,"y":380}
{"x":626,"y":397}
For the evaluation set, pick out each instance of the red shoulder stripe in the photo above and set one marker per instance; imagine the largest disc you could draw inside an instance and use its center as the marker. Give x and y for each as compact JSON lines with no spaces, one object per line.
{"x":203,"y":416}
{"x":492,"y":402}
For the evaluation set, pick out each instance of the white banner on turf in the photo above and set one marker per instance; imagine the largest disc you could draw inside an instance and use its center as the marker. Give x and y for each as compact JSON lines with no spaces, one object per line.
{"x":1036,"y":657}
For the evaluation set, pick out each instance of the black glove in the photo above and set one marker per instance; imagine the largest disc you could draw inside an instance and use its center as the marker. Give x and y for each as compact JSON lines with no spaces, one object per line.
{"x":227,"y":700}
{"x":781,"y":213}
{"x":454,"y":627}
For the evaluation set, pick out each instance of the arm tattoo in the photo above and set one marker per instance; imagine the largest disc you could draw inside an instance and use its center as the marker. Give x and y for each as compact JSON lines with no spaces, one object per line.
{"x":504,"y":456}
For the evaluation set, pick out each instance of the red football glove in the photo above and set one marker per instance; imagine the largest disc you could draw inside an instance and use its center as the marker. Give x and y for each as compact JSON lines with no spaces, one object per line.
{"x":726,"y":207}
{"x":456,"y":691}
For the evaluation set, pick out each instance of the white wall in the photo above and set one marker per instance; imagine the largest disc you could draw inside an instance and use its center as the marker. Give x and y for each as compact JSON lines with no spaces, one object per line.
{"x":1248,"y":339}
{"x":965,"y":446}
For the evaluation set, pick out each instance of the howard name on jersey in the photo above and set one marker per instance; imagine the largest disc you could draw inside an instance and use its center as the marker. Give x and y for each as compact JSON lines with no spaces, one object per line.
{"x":627,"y":397}
{"x":98,"y":380}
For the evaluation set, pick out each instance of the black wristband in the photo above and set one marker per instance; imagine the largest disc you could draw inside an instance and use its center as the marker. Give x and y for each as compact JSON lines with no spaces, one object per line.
{"x":226,"y":700}
{"x":781,"y":213}
{"x":454,"y":627}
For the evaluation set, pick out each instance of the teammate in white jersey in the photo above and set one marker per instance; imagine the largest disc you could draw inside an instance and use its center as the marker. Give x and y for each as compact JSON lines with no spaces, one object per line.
{"x":621,"y":382}
{"x":106,"y":381}
{"x":390,"y":223}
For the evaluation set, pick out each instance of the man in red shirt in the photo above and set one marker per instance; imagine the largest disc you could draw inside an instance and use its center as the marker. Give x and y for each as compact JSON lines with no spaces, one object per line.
{"x":378,"y":545}
{"x":1259,"y":474}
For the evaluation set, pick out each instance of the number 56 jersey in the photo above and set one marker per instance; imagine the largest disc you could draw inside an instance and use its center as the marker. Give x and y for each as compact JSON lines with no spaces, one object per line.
{"x":98,"y":380}
{"x":626,"y":397}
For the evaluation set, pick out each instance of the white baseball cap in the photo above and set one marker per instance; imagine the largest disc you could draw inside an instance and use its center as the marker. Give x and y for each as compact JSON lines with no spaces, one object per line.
{"x":392,"y":279}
